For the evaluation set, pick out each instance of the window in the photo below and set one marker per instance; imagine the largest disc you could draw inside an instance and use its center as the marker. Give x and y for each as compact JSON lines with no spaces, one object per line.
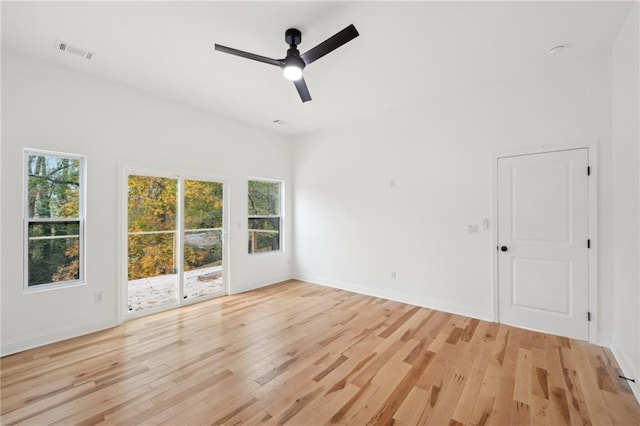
{"x":265,"y":217}
{"x":53,"y":219}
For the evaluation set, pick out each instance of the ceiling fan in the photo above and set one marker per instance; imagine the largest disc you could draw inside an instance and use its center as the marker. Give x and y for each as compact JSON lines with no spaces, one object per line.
{"x":293,"y":64}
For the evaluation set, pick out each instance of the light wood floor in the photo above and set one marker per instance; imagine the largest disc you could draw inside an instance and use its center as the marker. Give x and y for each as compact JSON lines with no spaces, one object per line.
{"x":300,"y":354}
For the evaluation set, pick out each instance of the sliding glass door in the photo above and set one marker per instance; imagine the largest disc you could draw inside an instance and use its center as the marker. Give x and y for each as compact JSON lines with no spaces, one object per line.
{"x":202,"y":239}
{"x":175,"y":241}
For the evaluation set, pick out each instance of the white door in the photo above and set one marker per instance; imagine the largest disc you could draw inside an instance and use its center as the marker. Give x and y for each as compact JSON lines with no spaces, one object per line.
{"x":543,"y":231}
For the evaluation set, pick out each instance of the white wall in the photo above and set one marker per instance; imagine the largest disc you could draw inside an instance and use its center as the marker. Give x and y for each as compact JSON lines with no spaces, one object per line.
{"x":626,"y":208}
{"x":352,"y":227}
{"x":47,"y":107}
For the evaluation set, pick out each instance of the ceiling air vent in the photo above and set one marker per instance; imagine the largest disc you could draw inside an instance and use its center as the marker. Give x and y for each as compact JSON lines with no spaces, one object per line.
{"x":65,"y":47}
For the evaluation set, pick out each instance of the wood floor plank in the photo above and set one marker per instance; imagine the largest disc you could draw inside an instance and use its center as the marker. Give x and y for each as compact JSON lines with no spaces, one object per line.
{"x":296,"y":353}
{"x":522,"y":387}
{"x":502,"y":408}
{"x":464,"y":409}
{"x":459,"y":377}
{"x":411,"y":408}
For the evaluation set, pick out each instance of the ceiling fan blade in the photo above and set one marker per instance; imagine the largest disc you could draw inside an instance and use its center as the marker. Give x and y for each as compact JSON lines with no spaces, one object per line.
{"x":330,"y":44}
{"x":243,"y":54}
{"x":303,"y":90}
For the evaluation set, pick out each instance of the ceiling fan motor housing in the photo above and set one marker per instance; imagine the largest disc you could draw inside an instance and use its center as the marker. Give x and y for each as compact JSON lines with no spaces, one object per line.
{"x":293,"y":37}
{"x":294,"y":61}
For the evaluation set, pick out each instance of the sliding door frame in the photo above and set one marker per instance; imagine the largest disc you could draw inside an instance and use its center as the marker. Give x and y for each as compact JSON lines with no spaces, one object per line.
{"x":125,"y":170}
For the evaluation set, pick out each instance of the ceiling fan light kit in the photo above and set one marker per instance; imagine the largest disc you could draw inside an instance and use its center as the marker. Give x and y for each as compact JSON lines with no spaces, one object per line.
{"x":293,"y":69}
{"x":294,"y":63}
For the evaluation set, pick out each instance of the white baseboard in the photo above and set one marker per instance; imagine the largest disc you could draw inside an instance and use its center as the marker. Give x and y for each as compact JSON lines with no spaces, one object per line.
{"x":398,"y":297}
{"x":627,"y":369}
{"x":262,"y":283}
{"x":33,"y":341}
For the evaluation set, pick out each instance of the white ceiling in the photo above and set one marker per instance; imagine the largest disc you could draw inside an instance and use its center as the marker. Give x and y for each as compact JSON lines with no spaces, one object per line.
{"x":406,"y":51}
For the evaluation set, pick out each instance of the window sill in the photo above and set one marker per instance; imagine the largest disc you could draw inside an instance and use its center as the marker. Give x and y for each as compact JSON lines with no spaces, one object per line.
{"x":267,"y":253}
{"x":48,"y":287}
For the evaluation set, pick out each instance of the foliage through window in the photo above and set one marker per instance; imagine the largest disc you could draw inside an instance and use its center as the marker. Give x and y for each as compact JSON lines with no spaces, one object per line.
{"x":152,"y":225}
{"x":175,"y":240}
{"x":152,"y":213}
{"x":54,"y":222}
{"x":265,"y":219}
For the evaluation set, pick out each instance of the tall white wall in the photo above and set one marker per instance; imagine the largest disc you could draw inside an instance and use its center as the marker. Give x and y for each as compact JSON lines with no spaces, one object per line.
{"x":47,"y":107}
{"x":396,"y":192}
{"x":626,"y":208}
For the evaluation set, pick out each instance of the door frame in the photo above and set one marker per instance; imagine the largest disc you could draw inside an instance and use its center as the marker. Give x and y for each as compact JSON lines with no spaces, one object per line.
{"x":592,"y":154}
{"x":124,"y":170}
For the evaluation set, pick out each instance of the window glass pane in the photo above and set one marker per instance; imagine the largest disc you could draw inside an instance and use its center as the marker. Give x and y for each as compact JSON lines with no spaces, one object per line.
{"x":53,"y":187}
{"x":152,"y":203}
{"x":151,"y":241}
{"x":153,"y":280}
{"x":152,"y":206}
{"x":203,"y":224}
{"x":151,"y":255}
{"x":264,"y":198}
{"x":202,"y":249}
{"x":202,"y":204}
{"x":203,"y":273}
{"x":40,"y":230}
{"x":264,"y":234}
{"x":53,"y":252}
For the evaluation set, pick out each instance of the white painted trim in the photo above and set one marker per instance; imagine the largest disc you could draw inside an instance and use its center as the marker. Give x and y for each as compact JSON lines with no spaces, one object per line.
{"x":545,"y":148}
{"x":626,"y":367}
{"x":178,"y":256}
{"x":82,"y":221}
{"x":34,"y":341}
{"x":398,"y":297}
{"x":592,"y":154}
{"x":494,"y":240}
{"x":121,"y":242}
{"x":593,"y":235}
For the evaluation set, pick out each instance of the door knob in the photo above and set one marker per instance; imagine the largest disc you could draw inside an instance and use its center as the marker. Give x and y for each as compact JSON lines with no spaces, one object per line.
{"x":503,"y":248}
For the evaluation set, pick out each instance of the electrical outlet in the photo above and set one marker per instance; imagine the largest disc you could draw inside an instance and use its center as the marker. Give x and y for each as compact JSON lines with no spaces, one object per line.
{"x":98,"y":296}
{"x":393,"y":275}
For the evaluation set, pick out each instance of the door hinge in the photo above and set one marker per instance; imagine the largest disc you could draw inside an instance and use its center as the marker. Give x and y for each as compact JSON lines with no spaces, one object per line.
{"x":588,"y":170}
{"x":588,"y":316}
{"x":589,"y":243}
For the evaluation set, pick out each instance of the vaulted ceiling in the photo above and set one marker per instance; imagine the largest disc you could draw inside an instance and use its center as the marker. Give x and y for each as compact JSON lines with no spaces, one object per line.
{"x":406,"y":52}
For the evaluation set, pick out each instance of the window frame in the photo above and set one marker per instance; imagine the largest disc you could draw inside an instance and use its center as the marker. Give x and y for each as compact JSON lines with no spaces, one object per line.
{"x":81,"y":220}
{"x":280,"y":216}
